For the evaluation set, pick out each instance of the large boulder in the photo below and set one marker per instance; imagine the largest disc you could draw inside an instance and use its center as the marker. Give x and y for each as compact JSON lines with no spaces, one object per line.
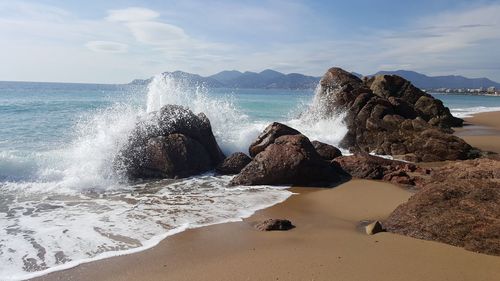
{"x":233,"y":164}
{"x":460,"y":206}
{"x":326,"y":151}
{"x":269,"y":135}
{"x":172,"y":142}
{"x":387,"y":115}
{"x":288,"y":159}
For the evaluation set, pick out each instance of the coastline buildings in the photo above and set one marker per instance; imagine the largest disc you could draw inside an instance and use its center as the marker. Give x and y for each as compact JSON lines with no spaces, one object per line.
{"x":491,"y":91}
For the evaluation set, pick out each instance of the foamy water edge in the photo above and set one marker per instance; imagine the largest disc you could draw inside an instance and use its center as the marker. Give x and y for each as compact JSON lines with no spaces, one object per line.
{"x":154,"y":241}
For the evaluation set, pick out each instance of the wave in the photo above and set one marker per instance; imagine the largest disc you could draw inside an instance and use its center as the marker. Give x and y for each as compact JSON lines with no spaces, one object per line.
{"x":467,"y":112}
{"x":233,"y":129}
{"x":94,"y":213}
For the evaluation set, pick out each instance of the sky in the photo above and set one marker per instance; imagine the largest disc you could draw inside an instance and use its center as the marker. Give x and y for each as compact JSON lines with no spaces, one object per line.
{"x":117,"y":41}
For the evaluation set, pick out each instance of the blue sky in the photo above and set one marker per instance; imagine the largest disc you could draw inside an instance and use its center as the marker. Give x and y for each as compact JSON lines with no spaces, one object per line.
{"x":117,"y":41}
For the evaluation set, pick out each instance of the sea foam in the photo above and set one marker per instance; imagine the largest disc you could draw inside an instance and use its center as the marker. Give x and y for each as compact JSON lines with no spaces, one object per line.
{"x":75,"y":208}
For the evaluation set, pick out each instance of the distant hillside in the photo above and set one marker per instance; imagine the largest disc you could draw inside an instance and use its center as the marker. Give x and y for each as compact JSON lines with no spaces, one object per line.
{"x":270,"y":79}
{"x":450,"y":81}
{"x":267,"y":79}
{"x":226,"y":75}
{"x":195,"y":79}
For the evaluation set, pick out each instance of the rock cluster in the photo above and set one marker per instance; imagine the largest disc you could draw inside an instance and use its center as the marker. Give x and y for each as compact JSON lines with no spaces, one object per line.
{"x":365,"y":166}
{"x":387,"y":115}
{"x":285,"y":156}
{"x":171,"y":143}
{"x":459,"y":205}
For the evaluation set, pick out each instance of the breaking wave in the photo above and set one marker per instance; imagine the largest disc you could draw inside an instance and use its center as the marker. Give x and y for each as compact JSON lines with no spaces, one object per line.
{"x":62,"y":207}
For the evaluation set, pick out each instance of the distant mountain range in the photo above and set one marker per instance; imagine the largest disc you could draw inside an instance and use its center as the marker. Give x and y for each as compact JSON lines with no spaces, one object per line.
{"x":270,"y":79}
{"x":449,"y":81}
{"x":267,"y":79}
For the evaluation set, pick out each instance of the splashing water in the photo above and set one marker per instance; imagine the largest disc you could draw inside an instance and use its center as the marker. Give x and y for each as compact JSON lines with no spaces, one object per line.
{"x":74,"y":208}
{"x":316,"y":124}
{"x":233,"y":129}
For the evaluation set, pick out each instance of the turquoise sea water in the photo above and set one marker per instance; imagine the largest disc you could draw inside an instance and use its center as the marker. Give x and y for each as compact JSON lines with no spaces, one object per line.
{"x":60,"y":202}
{"x":41,"y":116}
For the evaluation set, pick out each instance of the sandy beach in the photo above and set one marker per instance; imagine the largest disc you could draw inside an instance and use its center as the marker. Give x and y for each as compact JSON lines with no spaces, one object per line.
{"x":327,"y":243}
{"x":483,"y":131}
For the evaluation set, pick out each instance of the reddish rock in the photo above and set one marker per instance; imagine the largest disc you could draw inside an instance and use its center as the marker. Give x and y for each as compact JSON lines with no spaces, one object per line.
{"x":233,"y":164}
{"x":274,"y":224}
{"x":269,"y":135}
{"x":172,"y":142}
{"x":387,"y":115}
{"x":459,"y":205}
{"x":175,"y":155}
{"x":288,"y":159}
{"x":365,"y":166}
{"x":326,"y":151}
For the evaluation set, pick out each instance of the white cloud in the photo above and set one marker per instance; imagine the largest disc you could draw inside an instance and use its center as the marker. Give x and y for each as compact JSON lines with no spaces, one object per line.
{"x":132,"y":14}
{"x":107,"y":46}
{"x":228,"y":35}
{"x":446,"y":32}
{"x":156,"y":33}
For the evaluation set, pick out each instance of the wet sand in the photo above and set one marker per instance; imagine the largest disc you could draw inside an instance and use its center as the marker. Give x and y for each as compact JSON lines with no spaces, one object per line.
{"x":327,"y":243}
{"x":483,"y":131}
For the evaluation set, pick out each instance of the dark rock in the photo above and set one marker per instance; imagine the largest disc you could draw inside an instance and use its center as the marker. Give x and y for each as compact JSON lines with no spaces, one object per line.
{"x":233,"y":164}
{"x":374,"y":228}
{"x":326,"y":151}
{"x":175,"y":155}
{"x":274,"y":224}
{"x":288,"y":159}
{"x":458,"y":206}
{"x":267,"y":137}
{"x":173,"y":142}
{"x":365,"y":166}
{"x":387,"y":115}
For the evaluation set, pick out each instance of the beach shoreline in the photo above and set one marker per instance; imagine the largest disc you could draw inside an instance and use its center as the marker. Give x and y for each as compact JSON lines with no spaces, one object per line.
{"x":482,"y":130}
{"x":325,"y":245}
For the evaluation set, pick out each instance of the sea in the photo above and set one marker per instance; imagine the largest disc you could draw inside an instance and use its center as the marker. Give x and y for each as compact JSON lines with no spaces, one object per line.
{"x":61,"y":202}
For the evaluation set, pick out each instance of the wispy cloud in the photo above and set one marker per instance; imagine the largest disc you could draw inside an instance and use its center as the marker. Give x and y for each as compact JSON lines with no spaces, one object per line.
{"x":129,"y":42}
{"x":156,"y":33}
{"x":132,"y":14}
{"x":107,"y":46}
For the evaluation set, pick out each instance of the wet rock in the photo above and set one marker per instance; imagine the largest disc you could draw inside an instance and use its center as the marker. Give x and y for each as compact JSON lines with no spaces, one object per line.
{"x":386,"y":114}
{"x":374,"y":228}
{"x":274,"y":224}
{"x":326,"y":151}
{"x":459,"y":205}
{"x":233,"y":164}
{"x":172,"y":142}
{"x":175,"y":155}
{"x":270,"y":134}
{"x":288,"y":159}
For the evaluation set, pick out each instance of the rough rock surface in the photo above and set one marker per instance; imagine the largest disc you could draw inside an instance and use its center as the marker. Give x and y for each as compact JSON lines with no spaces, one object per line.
{"x":386,"y":114}
{"x":326,"y":151}
{"x":287,"y":159}
{"x":233,"y":164}
{"x":460,"y":206}
{"x":365,"y":166}
{"x":270,"y":134}
{"x":172,"y":142}
{"x":274,"y":224}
